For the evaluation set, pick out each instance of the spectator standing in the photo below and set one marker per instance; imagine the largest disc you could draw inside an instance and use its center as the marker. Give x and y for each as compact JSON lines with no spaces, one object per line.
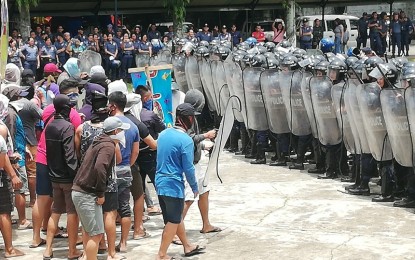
{"x":259,"y":35}
{"x":224,"y":35}
{"x":306,"y":33}
{"x":395,"y":32}
{"x":407,"y":29}
{"x":362,"y":26}
{"x":153,"y":33}
{"x":318,"y":32}
{"x":111,"y":51}
{"x":127,"y":47}
{"x":279,"y":31}
{"x":383,"y":32}
{"x":75,"y":48}
{"x":205,"y":35}
{"x":48,"y":53}
{"x":236,"y":36}
{"x":15,"y":54}
{"x":346,"y":36}
{"x":338,"y":36}
{"x":374,"y":28}
{"x":60,"y":46}
{"x":31,"y":53}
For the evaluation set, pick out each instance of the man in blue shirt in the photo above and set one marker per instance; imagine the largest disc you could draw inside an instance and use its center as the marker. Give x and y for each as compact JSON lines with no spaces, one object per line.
{"x":306,"y":32}
{"x":129,"y":146}
{"x":236,"y":36}
{"x":362,"y":25}
{"x":395,"y":32}
{"x":205,"y":35}
{"x":175,"y":154}
{"x":153,"y":33}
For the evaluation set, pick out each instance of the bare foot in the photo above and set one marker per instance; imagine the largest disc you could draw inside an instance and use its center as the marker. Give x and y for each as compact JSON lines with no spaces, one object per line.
{"x":77,"y":254}
{"x":13,"y":253}
{"x":166,"y":257}
{"x":116,"y":257}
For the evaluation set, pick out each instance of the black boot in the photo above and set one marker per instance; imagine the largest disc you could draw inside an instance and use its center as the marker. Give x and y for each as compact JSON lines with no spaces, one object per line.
{"x":360,"y":190}
{"x":328,"y":175}
{"x":251,"y":154}
{"x":316,"y":170}
{"x":388,"y":183}
{"x":244,"y":141}
{"x":233,"y":141}
{"x":405,"y":203}
{"x":297,"y":166}
{"x":282,"y":160}
{"x":260,"y":157}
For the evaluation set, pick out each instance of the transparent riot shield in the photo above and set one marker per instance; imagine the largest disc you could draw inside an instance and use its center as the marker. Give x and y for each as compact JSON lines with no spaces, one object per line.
{"x":88,"y":59}
{"x":238,"y":87}
{"x":397,"y":125}
{"x":179,"y":62}
{"x":368,"y":97}
{"x":290,"y":82}
{"x":328,"y":129}
{"x":229,"y":67}
{"x":305,"y":91}
{"x":192,"y":73}
{"x":222,"y":86}
{"x":342,"y":114}
{"x":254,"y":104}
{"x":410,"y":109}
{"x":274,"y":103}
{"x":353,"y":114}
{"x":142,"y":59}
{"x":206,"y":75}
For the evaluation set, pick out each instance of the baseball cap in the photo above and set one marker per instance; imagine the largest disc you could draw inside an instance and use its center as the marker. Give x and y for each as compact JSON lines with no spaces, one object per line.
{"x":305,"y":20}
{"x":206,"y":25}
{"x":13,"y":90}
{"x":185,"y":109}
{"x":364,"y":13}
{"x":51,"y":68}
{"x":132,"y":100}
{"x":223,"y":26}
{"x":112,"y":123}
{"x":81,"y":28}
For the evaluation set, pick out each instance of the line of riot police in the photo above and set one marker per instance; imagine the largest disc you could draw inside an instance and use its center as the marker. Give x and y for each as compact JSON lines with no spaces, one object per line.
{"x":355,"y":114}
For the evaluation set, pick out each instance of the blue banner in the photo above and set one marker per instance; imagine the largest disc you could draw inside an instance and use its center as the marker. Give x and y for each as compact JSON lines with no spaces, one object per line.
{"x":159,"y":79}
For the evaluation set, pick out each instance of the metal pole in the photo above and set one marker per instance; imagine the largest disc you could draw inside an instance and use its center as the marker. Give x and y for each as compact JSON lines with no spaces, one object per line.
{"x":390,"y":23}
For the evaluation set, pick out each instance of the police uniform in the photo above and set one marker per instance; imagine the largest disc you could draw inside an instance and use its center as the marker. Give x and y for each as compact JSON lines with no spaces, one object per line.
{"x":112,"y":47}
{"x":375,"y":41}
{"x":153,"y":35}
{"x":362,"y":28}
{"x":30,"y":53}
{"x":127,"y":59}
{"x":305,"y":40}
{"x":62,"y":55}
{"x":236,"y":37}
{"x":205,"y":36}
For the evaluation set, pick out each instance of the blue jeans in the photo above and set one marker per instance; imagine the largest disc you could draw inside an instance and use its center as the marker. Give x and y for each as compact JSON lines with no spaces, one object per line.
{"x":32,"y":65}
{"x":127,"y":62}
{"x":396,"y":42}
{"x":305,"y":45}
{"x":375,"y":43}
{"x":337,"y":45}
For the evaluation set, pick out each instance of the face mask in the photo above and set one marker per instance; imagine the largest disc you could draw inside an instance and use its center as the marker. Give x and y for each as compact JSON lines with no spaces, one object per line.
{"x":148,"y":104}
{"x":119,"y":137}
{"x":65,"y":112}
{"x":73,"y":99}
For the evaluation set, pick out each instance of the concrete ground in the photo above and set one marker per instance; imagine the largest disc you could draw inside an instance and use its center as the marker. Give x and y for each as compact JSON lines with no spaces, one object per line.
{"x":276,"y":213}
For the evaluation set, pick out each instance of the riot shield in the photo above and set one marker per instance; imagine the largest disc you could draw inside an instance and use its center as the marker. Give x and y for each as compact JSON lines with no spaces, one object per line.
{"x":88,"y":59}
{"x":192,"y":72}
{"x":342,"y":114}
{"x":229,"y":68}
{"x":179,"y":62}
{"x":216,"y":88}
{"x":350,"y":102}
{"x":397,"y":125}
{"x":305,"y":91}
{"x":254,"y":104}
{"x":410,"y":109}
{"x":274,"y":102}
{"x":368,"y":97}
{"x":177,"y":99}
{"x":352,"y":105}
{"x":142,"y":59}
{"x":290,"y":82}
{"x":238,"y":87}
{"x":206,"y":75}
{"x":222,"y":86}
{"x":328,"y":129}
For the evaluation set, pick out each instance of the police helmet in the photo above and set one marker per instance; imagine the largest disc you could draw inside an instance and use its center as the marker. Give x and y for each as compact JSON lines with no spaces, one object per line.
{"x":269,"y":55}
{"x":408,"y":78}
{"x":322,"y":67}
{"x":371,"y":62}
{"x":215,"y":42}
{"x":243,"y":46}
{"x":248,"y":58}
{"x":187,"y":48}
{"x":223,"y":51}
{"x":270,"y":46}
{"x":204,"y":43}
{"x":289,"y":61}
{"x":299,"y":53}
{"x":251,"y":41}
{"x":226,"y":44}
{"x":261,"y":49}
{"x":400,"y":62}
{"x":258,"y":60}
{"x":391,"y":72}
{"x":238,"y":57}
{"x":182,"y":41}
{"x":202,"y":51}
{"x":351,"y":60}
{"x":337,"y":69}
{"x":286,"y":44}
{"x":271,"y":63}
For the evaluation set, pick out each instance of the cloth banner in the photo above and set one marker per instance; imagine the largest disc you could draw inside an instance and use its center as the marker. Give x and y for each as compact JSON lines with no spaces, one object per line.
{"x":159,"y":79}
{"x":4,"y":37}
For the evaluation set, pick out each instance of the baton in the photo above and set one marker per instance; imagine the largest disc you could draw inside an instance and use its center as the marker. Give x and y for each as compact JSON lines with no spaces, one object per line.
{"x":384,"y":76}
{"x":357,"y":76}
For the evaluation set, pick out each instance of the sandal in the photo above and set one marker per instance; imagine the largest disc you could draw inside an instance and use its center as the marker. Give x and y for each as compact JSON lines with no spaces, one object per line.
{"x":27,"y":225}
{"x":214,"y":230}
{"x":146,"y":235}
{"x":196,"y":251}
{"x":42,"y":242}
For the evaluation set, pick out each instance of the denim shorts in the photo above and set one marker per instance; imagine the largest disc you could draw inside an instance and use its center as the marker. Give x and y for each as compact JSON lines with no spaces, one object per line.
{"x":21,"y":173}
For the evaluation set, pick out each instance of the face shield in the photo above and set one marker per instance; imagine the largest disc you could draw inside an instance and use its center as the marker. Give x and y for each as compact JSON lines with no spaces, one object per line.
{"x":334,"y":74}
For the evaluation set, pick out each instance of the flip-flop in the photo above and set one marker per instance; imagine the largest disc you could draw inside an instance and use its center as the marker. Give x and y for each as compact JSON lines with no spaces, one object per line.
{"x":27,"y":225}
{"x":48,"y":257}
{"x":17,"y":254}
{"x":75,"y":257}
{"x":177,"y":242}
{"x":154,"y":213}
{"x":42,"y":242}
{"x":214,"y":230}
{"x":102,"y":251}
{"x":196,"y":251}
{"x":61,"y":235}
{"x":146,"y":235}
{"x":118,"y":249}
{"x":145,"y":219}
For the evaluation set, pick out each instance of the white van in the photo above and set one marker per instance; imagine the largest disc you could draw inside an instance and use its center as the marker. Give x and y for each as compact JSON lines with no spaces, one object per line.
{"x":350,"y":21}
{"x":163,"y":28}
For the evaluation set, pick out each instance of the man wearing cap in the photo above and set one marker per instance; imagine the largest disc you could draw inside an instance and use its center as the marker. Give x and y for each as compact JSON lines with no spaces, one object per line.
{"x":129,"y":151}
{"x":306,"y":33}
{"x":224,"y":35}
{"x":90,"y":184}
{"x":258,"y":34}
{"x":62,"y":164}
{"x":30,"y":114}
{"x":205,"y":35}
{"x":395,"y":33}
{"x":49,"y":89}
{"x":362,"y":26}
{"x":153,"y":33}
{"x":236,"y":36}
{"x":175,"y":154}
{"x":17,"y":134}
{"x":137,"y":32}
{"x":81,"y":37}
{"x":170,"y":32}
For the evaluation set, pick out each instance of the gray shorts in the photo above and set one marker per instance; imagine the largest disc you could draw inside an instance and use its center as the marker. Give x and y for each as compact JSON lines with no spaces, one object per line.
{"x":21,"y":173}
{"x":89,"y":212}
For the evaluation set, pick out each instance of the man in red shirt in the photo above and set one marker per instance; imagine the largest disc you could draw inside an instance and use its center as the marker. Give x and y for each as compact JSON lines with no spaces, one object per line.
{"x":259,"y":35}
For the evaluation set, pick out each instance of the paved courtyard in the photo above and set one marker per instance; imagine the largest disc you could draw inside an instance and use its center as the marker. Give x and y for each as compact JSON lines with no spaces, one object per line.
{"x":275,"y":213}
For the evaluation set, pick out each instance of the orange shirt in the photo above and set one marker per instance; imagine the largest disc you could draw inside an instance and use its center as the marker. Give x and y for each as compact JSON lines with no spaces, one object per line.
{"x":259,"y":36}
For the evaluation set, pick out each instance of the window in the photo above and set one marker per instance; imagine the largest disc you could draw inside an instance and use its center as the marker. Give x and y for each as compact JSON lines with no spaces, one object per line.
{"x":331,"y":26}
{"x":353,"y":24}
